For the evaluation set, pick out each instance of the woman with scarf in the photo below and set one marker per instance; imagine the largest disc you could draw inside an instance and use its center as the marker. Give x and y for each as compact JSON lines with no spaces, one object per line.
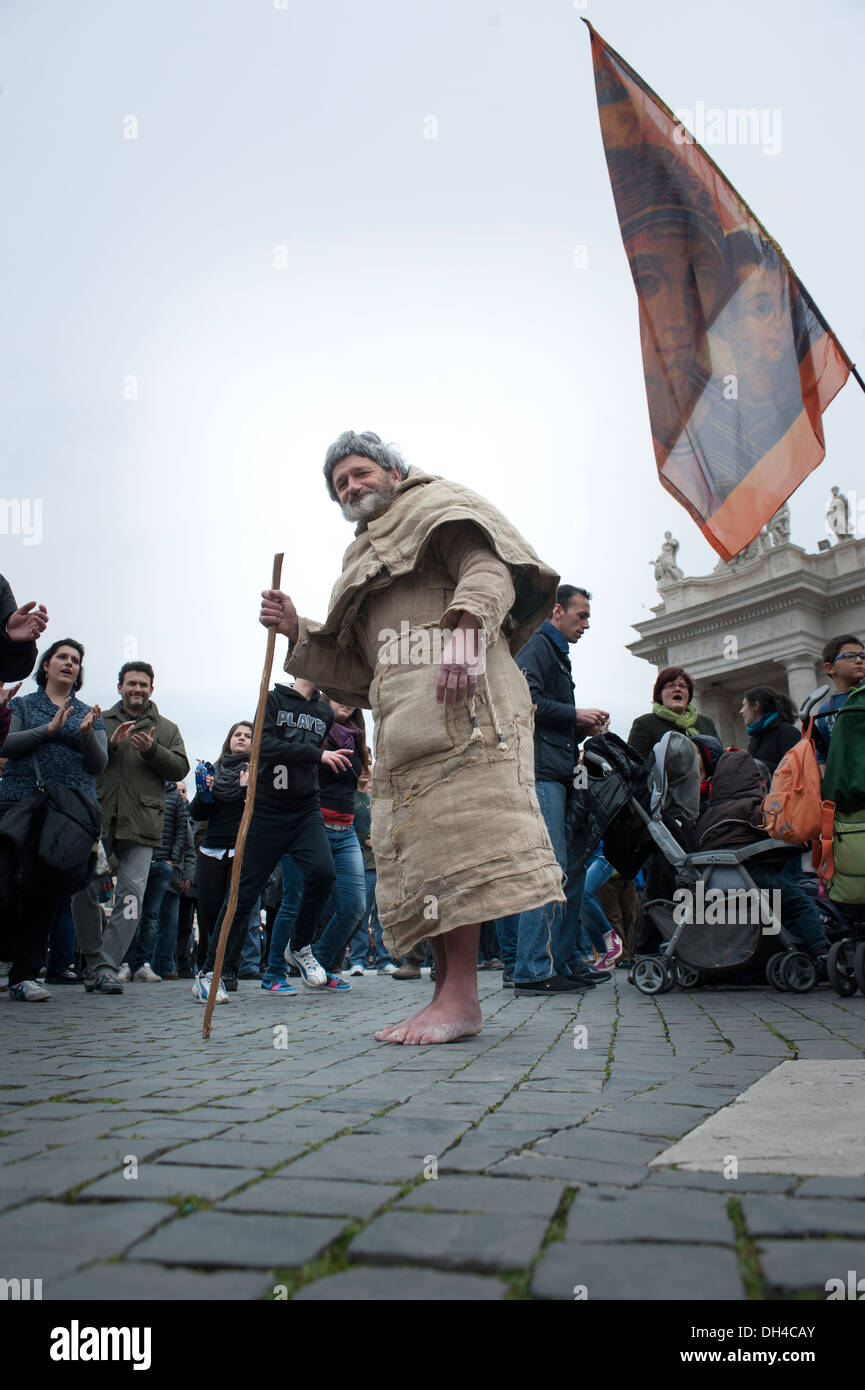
{"x":671,"y":709}
{"x":70,"y":745}
{"x":222,"y":815}
{"x":769,"y":716}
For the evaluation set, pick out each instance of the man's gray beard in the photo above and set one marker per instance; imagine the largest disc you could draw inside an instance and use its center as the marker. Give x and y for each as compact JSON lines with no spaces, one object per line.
{"x":367,"y":508}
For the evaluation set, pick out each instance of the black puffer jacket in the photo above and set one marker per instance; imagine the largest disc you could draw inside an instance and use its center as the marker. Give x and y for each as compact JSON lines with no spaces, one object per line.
{"x":735,"y":813}
{"x":770,"y":745}
{"x":548,"y":672}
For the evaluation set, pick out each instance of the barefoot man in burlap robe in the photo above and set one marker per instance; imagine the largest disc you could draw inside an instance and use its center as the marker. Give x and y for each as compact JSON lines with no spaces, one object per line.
{"x":437,"y":590}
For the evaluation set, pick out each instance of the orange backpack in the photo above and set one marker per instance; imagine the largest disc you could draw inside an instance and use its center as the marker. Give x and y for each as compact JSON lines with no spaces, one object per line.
{"x":794,"y":809}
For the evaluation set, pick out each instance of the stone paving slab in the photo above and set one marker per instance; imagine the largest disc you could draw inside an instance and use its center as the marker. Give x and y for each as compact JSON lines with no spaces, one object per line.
{"x":773,"y":1216}
{"x":466,"y":1241}
{"x":227,"y":1153}
{"x":406,"y":1285}
{"x":573,"y":1171}
{"x":502,"y":1196}
{"x":832,"y":1187}
{"x":683,"y":1217}
{"x":638,"y":1272}
{"x":62,"y":1237}
{"x":158,"y":1180}
{"x":226,"y":1240}
{"x":134,"y":1283}
{"x":808,"y":1264}
{"x":310,"y":1197}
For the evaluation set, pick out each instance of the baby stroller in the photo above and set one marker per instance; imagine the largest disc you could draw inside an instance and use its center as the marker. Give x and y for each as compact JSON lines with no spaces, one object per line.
{"x":656,"y":823}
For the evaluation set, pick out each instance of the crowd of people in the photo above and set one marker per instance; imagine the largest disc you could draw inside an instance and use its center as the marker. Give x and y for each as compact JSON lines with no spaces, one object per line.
{"x":152,"y":902}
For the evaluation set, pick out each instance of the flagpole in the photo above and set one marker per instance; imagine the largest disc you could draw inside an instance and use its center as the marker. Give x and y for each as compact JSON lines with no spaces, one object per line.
{"x":636,"y":78}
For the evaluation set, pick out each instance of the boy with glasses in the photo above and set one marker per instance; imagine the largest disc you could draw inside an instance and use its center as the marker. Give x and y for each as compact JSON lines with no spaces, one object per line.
{"x":844,"y":661}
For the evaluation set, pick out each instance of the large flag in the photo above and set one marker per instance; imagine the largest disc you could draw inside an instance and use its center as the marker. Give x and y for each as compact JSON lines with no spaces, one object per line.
{"x":738,"y":361}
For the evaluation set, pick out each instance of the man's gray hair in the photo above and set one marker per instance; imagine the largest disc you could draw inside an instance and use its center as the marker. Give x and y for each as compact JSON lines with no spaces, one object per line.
{"x":369,"y":446}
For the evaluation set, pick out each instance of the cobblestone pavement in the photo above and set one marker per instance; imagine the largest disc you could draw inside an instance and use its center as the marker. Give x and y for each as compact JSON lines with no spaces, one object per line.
{"x":291,"y":1155}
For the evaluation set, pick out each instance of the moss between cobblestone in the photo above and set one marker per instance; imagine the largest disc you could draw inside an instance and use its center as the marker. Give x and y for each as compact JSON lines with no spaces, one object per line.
{"x":612,"y":1047}
{"x":786,"y":1041}
{"x":746,"y":1252}
{"x":185,"y":1205}
{"x":654,"y":1000}
{"x":333,"y":1261}
{"x":715,"y":1024}
{"x":519,"y":1281}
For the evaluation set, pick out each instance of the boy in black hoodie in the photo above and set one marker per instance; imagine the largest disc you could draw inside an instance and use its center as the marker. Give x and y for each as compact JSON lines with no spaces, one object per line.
{"x":286,"y":819}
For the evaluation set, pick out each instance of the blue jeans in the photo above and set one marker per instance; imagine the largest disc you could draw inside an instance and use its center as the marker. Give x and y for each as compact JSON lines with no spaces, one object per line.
{"x":61,"y":939}
{"x":250,"y":956}
{"x":546,"y":942}
{"x":141,"y":947}
{"x":593,"y":923}
{"x":292,"y":892}
{"x":163,"y":952}
{"x":506,"y":931}
{"x":359,"y":942}
{"x":799,"y":916}
{"x":349,"y":897}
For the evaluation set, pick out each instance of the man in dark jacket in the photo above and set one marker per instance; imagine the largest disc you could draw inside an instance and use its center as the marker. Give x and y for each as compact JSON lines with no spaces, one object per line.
{"x":546,"y":960}
{"x":19,"y":629}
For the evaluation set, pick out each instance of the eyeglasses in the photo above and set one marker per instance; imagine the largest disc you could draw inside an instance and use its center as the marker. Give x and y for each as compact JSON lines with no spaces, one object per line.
{"x":850,"y":656}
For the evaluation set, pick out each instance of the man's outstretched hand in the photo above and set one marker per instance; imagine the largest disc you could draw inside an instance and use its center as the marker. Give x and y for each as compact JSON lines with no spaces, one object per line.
{"x":277,"y":610}
{"x":28,"y":623}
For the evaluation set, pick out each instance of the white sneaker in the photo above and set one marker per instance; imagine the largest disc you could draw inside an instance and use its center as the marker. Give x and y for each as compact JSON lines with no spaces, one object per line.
{"x":145,"y":973}
{"x":388,"y":969}
{"x":28,"y":990}
{"x":357,"y":970}
{"x":124,"y":974}
{"x":313,"y":975}
{"x":201,"y":988}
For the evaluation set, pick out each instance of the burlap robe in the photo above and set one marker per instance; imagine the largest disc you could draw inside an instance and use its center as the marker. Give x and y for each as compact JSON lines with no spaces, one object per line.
{"x":457,"y":833}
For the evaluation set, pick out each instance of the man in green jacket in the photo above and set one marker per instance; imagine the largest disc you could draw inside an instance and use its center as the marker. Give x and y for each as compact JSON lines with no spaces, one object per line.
{"x":144,"y":751}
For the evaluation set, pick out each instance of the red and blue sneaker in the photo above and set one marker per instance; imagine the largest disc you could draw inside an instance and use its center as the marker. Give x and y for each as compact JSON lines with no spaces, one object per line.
{"x":335,"y":982}
{"x":281,"y":987}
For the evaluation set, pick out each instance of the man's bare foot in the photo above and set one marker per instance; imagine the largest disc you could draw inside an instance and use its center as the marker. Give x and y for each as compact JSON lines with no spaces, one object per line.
{"x":385,"y":1034}
{"x":437,"y":1024}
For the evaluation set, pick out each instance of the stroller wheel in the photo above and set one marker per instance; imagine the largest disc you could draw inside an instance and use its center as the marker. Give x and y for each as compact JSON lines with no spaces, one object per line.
{"x":651,"y":975}
{"x":859,"y":965}
{"x":840,"y":968}
{"x":773,"y":971}
{"x":798,"y":972}
{"x":687,"y":977}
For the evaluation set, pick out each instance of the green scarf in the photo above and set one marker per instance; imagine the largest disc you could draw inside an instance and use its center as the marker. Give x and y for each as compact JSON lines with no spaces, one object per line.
{"x":687,"y":722}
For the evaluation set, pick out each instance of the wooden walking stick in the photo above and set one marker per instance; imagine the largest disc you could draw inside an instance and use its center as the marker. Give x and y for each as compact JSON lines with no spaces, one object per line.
{"x":237,"y":863}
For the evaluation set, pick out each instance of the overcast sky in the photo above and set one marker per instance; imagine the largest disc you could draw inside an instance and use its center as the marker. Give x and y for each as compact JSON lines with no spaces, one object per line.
{"x":282,"y":252}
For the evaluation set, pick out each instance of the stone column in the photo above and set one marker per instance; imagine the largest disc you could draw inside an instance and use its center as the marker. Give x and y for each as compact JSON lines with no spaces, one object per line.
{"x":801,"y":676}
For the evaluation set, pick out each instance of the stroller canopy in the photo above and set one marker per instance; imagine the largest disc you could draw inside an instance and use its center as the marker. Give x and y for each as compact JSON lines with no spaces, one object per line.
{"x":675,"y":776}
